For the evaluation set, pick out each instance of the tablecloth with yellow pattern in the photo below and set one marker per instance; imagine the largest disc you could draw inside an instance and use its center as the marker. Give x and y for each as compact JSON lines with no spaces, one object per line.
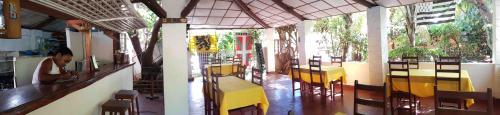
{"x":422,"y":83}
{"x":237,"y":93}
{"x":227,"y":69}
{"x":330,"y":73}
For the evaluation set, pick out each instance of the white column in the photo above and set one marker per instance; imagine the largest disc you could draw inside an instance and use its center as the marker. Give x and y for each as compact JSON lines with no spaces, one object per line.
{"x":496,"y":49}
{"x":305,"y":29}
{"x":269,"y":46}
{"x":175,"y":68}
{"x":377,"y":43}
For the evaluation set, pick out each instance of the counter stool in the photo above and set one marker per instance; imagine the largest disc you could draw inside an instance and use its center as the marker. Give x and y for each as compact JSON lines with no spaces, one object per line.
{"x":116,"y":106}
{"x":131,"y":95}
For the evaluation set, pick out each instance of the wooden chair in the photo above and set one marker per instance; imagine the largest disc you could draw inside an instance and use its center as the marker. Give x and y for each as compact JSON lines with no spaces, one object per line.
{"x":152,"y":74}
{"x":257,"y":75}
{"x":116,"y":107}
{"x":413,"y":62}
{"x":236,"y":63}
{"x":315,"y":69}
{"x":296,"y":77}
{"x":241,"y":71}
{"x":449,"y":59}
{"x":206,"y":91}
{"x":483,"y":96}
{"x":216,"y":66}
{"x":337,"y":61}
{"x":316,"y":58}
{"x":401,"y":66}
{"x":454,"y":68}
{"x":229,"y":59}
{"x":369,"y":102}
{"x":215,"y":92}
{"x":132,"y":96}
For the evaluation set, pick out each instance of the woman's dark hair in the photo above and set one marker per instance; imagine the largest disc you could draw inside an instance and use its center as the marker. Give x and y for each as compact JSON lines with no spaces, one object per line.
{"x":62,"y":50}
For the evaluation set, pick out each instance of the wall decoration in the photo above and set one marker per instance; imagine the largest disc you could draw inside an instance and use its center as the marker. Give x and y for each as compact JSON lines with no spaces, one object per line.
{"x":206,"y":43}
{"x":244,"y":47}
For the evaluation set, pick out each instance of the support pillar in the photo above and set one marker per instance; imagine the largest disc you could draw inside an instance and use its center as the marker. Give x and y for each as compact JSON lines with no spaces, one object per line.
{"x":496,"y":49}
{"x":269,"y":49}
{"x":305,"y":30}
{"x":377,"y":44}
{"x":175,"y":67}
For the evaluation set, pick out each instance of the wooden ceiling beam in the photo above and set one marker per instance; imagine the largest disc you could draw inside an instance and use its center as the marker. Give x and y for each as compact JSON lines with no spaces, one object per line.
{"x":45,"y":22}
{"x":249,"y":12}
{"x":365,"y":3}
{"x":27,"y":4}
{"x":289,"y":9}
{"x":155,"y":7}
{"x":185,"y":12}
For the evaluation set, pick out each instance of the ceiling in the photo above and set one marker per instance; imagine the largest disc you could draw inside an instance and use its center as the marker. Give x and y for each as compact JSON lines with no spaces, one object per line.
{"x":116,"y":15}
{"x":35,"y":20}
{"x":269,"y":13}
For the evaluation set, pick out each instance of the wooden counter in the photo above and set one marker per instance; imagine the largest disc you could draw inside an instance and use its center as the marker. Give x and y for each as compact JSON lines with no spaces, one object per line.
{"x":24,"y":99}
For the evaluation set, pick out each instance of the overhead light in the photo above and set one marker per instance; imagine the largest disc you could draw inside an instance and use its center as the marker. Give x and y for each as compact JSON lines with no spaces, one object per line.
{"x":123,"y":9}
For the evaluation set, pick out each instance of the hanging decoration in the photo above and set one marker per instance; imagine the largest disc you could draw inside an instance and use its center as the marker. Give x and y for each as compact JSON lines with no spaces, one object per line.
{"x":205,"y":43}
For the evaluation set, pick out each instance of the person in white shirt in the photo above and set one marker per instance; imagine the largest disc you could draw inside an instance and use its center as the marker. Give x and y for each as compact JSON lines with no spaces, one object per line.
{"x":51,"y":69}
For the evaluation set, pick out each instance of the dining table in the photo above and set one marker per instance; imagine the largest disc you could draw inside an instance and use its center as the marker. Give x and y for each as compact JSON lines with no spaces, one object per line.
{"x":422,"y":83}
{"x":237,"y":93}
{"x":329,"y":73}
{"x":226,"y":69}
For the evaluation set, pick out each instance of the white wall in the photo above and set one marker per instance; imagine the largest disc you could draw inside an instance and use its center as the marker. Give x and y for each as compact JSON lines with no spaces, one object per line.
{"x":102,"y":47}
{"x":25,"y":66}
{"x":481,"y":74}
{"x":88,"y":101}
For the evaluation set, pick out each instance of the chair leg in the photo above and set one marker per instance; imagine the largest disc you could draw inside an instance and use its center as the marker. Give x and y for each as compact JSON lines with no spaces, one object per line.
{"x":341,"y":87}
{"x":332,"y":84}
{"x":392,"y":106}
{"x":293,"y":88}
{"x":137,"y":105}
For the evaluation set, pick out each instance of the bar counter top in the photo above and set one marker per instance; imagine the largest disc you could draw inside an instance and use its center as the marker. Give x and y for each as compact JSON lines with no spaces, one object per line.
{"x":27,"y":98}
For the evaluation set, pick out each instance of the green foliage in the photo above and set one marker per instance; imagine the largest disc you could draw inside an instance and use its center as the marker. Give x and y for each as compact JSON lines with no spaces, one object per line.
{"x":226,"y":43}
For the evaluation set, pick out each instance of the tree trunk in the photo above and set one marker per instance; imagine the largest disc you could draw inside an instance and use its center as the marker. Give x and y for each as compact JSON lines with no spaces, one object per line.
{"x":347,"y":36}
{"x":148,"y":54}
{"x":137,"y":46}
{"x":410,"y":23}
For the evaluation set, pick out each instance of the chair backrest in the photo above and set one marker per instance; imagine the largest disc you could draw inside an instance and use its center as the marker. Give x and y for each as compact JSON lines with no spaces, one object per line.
{"x":316,"y":58}
{"x":412,"y":61}
{"x":257,"y":75}
{"x":216,"y":66}
{"x":453,"y":68}
{"x":241,"y":71}
{"x":449,"y":59}
{"x":295,"y":69}
{"x":236,"y":63}
{"x":206,"y":81}
{"x":369,"y":102}
{"x":214,"y":87}
{"x":336,"y":60}
{"x":481,"y":96}
{"x":237,"y":60}
{"x":229,"y":59}
{"x":315,"y":68}
{"x":402,"y":70}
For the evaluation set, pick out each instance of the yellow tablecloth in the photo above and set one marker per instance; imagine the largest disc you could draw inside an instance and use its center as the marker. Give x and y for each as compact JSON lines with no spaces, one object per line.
{"x":237,"y":93}
{"x":422,"y":83}
{"x":330,"y":73}
{"x":227,"y":69}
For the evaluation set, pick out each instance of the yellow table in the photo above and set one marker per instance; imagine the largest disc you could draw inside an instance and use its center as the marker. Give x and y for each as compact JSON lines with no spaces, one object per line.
{"x":422,"y":83}
{"x":227,"y":69}
{"x":237,"y":93}
{"x":330,"y":73}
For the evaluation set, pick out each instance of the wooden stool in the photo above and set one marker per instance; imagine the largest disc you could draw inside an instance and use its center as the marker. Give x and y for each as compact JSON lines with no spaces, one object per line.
{"x":131,"y":95}
{"x":116,"y":106}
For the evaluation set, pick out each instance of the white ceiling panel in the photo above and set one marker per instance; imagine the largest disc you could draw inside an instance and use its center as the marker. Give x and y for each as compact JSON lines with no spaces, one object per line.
{"x":232,"y":13}
{"x":348,"y":9}
{"x":286,"y":15}
{"x":320,"y":14}
{"x":293,"y":3}
{"x":222,"y":4}
{"x":360,"y":7}
{"x":202,"y":12}
{"x":205,"y":4}
{"x":336,"y":3}
{"x":218,"y":13}
{"x":199,"y":20}
{"x":321,"y":5}
{"x":259,"y":4}
{"x":309,"y":1}
{"x":268,"y":2}
{"x":227,"y":21}
{"x":214,"y":20}
{"x":273,"y":10}
{"x":307,"y":9}
{"x":240,"y":21}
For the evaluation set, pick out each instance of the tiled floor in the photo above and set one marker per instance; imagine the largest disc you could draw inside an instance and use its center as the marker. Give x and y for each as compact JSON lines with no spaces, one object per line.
{"x":278,"y":91}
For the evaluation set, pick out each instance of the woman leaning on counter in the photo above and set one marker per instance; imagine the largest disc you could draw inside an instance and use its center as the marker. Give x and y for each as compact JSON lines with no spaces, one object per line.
{"x":51,"y":68}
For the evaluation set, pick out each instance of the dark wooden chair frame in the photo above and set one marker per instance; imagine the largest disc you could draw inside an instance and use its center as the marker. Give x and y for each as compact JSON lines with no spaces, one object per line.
{"x":412,"y":61}
{"x":295,"y":68}
{"x":315,"y":68}
{"x":399,"y":94}
{"x":486,"y":96}
{"x":257,"y":75}
{"x":240,"y":71}
{"x":337,"y":60}
{"x":438,"y":69}
{"x":369,"y":102}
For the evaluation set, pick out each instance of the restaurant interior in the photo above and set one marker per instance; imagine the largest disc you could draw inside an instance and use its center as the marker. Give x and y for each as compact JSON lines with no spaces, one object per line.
{"x":249,"y":57}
